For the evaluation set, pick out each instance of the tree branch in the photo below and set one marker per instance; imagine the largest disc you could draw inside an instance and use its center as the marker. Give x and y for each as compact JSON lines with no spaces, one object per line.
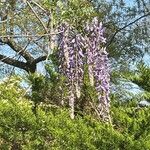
{"x":12,"y":44}
{"x":38,"y":6}
{"x":28,"y":36}
{"x":39,"y":59}
{"x":119,"y":30}
{"x":36,"y":15}
{"x":13,"y":62}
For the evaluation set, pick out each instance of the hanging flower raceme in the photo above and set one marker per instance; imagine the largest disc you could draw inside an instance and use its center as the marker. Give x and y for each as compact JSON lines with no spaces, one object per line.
{"x":71,"y":62}
{"x":102,"y":78}
{"x":63,"y":48}
{"x":97,"y":61}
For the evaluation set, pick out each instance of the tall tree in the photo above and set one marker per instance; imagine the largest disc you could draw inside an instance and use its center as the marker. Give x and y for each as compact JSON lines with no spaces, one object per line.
{"x":29,"y":27}
{"x":25,"y":32}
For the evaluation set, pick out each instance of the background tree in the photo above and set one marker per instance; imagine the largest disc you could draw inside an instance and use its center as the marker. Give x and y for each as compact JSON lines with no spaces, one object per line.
{"x":140,"y":76}
{"x":29,"y":27}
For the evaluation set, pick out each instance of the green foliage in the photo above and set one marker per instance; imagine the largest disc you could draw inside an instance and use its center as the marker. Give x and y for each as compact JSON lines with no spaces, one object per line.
{"x":36,"y":120}
{"x":142,"y":77}
{"x":37,"y":83}
{"x":53,"y":129}
{"x":47,"y":89}
{"x":133,"y":122}
{"x":75,"y":12}
{"x":56,"y":87}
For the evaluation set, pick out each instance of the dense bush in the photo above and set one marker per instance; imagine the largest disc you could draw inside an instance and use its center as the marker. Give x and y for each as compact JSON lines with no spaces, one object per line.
{"x":52,"y":128}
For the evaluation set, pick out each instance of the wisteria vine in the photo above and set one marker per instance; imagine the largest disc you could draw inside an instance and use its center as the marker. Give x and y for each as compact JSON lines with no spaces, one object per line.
{"x":97,"y":60}
{"x":72,"y":61}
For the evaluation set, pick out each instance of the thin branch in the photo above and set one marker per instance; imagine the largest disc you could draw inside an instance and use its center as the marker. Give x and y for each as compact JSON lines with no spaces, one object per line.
{"x":26,"y":36}
{"x":95,"y":109}
{"x":39,"y":45}
{"x":37,"y":17}
{"x":119,"y":30}
{"x":3,"y":21}
{"x":38,"y":5}
{"x":144,"y":4}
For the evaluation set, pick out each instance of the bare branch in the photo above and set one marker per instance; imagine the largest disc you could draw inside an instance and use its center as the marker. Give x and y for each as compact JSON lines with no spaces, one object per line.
{"x":39,"y":59}
{"x":3,"y":21}
{"x":13,"y":62}
{"x":12,"y":44}
{"x":13,"y":56}
{"x":119,"y":30}
{"x":38,"y":6}
{"x":26,"y":36}
{"x":38,"y":17}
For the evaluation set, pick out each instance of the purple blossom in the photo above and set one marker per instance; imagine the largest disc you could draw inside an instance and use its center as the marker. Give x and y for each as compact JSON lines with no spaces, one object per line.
{"x":72,"y":60}
{"x":97,"y":60}
{"x":71,"y":63}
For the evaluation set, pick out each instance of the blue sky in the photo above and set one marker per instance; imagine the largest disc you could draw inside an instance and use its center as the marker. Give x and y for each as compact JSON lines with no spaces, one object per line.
{"x":147,"y":59}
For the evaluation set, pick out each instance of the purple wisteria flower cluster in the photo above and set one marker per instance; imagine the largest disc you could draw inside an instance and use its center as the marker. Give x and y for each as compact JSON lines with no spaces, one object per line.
{"x":98,"y":66}
{"x":72,"y":62}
